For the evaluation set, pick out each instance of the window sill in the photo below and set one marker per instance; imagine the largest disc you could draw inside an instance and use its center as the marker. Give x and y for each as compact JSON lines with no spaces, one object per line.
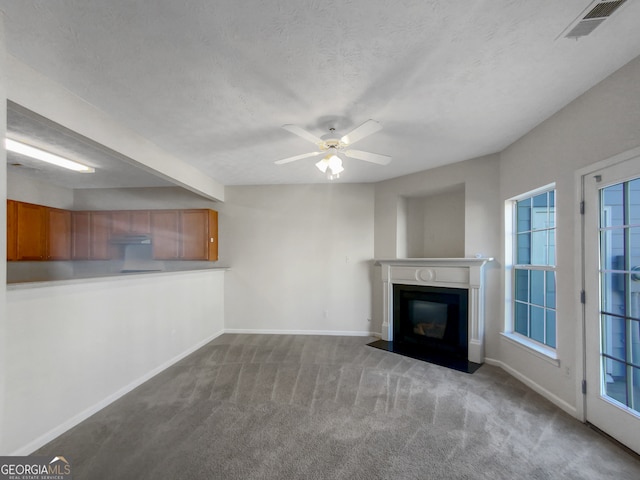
{"x":545,"y":353}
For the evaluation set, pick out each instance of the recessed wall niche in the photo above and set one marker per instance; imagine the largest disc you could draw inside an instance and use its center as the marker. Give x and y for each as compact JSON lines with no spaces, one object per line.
{"x":435,"y":224}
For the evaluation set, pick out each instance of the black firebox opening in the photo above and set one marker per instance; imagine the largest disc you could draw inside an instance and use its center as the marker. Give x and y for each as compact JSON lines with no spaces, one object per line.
{"x":431,"y":319}
{"x":431,"y":324}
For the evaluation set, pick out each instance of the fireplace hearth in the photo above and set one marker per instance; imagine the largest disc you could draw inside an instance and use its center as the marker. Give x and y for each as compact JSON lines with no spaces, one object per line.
{"x":431,"y":356}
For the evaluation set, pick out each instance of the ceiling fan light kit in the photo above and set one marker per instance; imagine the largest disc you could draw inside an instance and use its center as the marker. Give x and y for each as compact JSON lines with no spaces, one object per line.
{"x":331,"y":164}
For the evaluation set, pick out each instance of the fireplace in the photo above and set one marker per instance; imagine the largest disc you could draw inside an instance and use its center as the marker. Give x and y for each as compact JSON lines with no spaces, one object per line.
{"x":433,"y":318}
{"x":434,"y":310}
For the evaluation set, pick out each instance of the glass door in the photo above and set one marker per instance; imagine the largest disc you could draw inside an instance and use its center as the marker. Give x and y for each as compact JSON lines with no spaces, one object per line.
{"x":612,"y":300}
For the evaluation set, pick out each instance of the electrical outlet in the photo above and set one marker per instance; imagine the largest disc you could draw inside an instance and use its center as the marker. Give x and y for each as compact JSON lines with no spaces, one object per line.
{"x":567,"y":370}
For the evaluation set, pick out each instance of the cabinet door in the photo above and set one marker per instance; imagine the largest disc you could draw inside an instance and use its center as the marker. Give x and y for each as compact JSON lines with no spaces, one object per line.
{"x":31,"y":231}
{"x":58,"y":234}
{"x":130,"y":222}
{"x":140,"y":222}
{"x":12,"y":234}
{"x":100,"y":230}
{"x":213,"y":235}
{"x":194,"y":235}
{"x":164,"y":230}
{"x":199,"y":234}
{"x":120,"y":222}
{"x":80,"y":235}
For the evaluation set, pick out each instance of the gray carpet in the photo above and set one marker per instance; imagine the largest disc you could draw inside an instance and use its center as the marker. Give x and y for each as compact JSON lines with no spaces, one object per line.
{"x":306,"y":407}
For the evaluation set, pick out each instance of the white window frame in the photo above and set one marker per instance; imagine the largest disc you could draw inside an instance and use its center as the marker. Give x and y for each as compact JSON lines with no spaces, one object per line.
{"x":539,"y":349}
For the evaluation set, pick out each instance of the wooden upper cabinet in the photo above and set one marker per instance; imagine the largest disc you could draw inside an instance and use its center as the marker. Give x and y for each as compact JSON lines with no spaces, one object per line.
{"x":130,"y":222}
{"x":80,"y":235}
{"x":12,"y":234}
{"x":58,"y":234}
{"x":213,"y":235}
{"x":100,"y":233}
{"x":198,"y":234}
{"x":194,"y":233}
{"x":140,"y":222}
{"x":120,"y":222}
{"x":36,"y":232}
{"x":31,"y":225}
{"x":184,"y":234}
{"x":165,"y":234}
{"x":90,"y":233}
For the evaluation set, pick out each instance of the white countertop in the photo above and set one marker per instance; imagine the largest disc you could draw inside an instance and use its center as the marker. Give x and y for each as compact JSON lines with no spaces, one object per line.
{"x":107,"y":277}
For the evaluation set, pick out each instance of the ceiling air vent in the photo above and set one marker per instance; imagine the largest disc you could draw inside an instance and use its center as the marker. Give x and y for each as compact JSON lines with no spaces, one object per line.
{"x":596,"y":13}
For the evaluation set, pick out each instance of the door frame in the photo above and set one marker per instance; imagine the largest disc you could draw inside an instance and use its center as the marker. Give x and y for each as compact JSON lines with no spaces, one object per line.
{"x":580,"y":270}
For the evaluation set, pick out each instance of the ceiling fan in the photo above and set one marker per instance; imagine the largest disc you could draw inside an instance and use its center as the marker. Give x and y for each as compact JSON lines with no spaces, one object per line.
{"x":330,"y":145}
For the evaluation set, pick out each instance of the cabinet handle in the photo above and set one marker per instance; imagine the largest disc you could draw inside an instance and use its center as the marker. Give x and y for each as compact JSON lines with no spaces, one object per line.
{"x":211,"y":240}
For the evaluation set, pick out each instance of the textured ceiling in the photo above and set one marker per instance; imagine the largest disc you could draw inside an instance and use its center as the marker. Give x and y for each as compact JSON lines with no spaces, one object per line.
{"x":211,"y":82}
{"x":112,"y":170}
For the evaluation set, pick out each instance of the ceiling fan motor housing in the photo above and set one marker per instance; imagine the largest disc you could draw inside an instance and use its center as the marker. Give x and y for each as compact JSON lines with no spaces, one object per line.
{"x":330,"y":144}
{"x":329,"y":141}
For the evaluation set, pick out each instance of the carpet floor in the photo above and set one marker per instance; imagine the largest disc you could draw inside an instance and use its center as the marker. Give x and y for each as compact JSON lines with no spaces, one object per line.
{"x":317,"y":407}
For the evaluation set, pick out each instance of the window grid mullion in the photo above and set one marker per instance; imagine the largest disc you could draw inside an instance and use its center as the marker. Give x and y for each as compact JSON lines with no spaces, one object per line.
{"x":544,"y":307}
{"x":541,"y":250}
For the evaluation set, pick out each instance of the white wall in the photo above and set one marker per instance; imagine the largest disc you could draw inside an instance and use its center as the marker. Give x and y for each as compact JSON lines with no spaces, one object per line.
{"x":26,"y":189}
{"x":75,"y":347}
{"x":139,"y":199}
{"x":300,"y":256}
{"x":480,"y":177}
{"x":597,"y":125}
{"x":444,"y":219}
{"x":435,"y":225}
{"x":415,"y":227}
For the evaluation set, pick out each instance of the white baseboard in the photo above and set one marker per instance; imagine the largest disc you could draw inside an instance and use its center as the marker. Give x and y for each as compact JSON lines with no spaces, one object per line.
{"x":570,"y":409}
{"x":75,"y":420}
{"x":334,"y":333}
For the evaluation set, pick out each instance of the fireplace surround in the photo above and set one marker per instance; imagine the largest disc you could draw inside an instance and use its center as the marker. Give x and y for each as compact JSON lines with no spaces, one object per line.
{"x":441,"y":276}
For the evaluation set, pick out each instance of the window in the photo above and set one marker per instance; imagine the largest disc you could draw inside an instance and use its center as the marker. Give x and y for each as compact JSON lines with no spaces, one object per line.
{"x":534,"y":267}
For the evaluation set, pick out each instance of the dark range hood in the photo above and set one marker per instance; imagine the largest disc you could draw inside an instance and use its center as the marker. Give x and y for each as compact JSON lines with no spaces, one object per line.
{"x":131,"y":240}
{"x":138,"y":253}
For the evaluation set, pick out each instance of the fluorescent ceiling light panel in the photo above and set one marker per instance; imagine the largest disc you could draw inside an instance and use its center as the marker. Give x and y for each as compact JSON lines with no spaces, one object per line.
{"x":32,"y":152}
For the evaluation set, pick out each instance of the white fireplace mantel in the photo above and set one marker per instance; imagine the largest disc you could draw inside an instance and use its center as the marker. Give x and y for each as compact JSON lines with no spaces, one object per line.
{"x":465,"y":273}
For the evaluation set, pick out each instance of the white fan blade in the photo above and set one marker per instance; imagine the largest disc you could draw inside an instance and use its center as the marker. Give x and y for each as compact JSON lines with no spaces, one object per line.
{"x":358,"y":133}
{"x":368,"y":156}
{"x":301,"y":132}
{"x":298,"y":157}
